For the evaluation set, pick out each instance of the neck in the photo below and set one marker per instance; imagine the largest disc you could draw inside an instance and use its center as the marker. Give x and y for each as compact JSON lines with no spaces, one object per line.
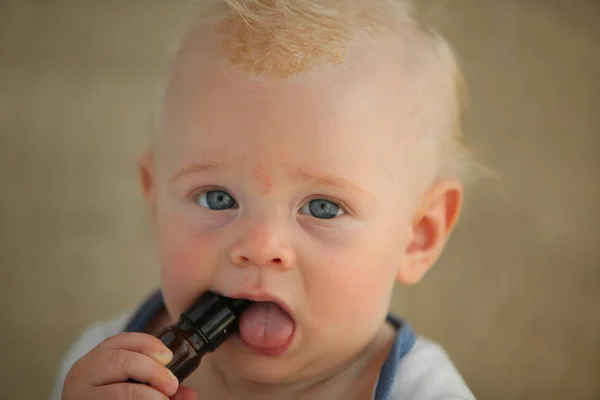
{"x":354,"y":379}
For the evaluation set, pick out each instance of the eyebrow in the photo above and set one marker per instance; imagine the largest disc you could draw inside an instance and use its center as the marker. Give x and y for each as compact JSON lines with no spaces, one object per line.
{"x":195,"y":168}
{"x":298,"y":173}
{"x":336,"y":181}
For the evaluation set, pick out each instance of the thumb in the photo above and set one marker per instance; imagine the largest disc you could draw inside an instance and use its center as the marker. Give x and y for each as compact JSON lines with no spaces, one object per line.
{"x":185,"y":393}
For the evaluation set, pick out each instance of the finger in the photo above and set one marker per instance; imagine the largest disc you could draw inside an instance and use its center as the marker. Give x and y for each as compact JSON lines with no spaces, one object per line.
{"x":129,"y":391}
{"x":117,"y":366}
{"x":139,"y":343}
{"x":185,"y":393}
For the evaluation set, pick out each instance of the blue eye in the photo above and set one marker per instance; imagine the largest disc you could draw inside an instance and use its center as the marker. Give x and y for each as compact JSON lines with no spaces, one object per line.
{"x":216,"y":200}
{"x":322,"y":209}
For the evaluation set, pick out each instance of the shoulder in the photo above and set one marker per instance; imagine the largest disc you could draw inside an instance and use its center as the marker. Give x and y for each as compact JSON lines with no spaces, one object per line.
{"x":88,"y":339}
{"x":426,"y":372}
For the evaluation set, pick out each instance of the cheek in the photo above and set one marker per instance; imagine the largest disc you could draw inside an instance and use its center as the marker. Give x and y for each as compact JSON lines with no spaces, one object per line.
{"x":188,"y":260}
{"x":354,"y":275}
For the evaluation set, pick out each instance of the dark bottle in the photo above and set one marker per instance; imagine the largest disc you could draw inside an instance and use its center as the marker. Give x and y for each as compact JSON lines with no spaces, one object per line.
{"x":201,"y":329}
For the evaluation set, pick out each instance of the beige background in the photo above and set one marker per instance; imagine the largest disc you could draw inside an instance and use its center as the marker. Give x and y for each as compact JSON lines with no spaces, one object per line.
{"x":516,"y":297}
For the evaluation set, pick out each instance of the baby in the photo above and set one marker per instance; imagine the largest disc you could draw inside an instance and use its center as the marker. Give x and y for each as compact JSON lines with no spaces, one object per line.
{"x":306,"y":155}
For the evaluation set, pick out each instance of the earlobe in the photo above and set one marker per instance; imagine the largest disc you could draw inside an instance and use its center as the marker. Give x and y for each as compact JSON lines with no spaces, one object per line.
{"x":430,"y":230}
{"x":147,"y":176}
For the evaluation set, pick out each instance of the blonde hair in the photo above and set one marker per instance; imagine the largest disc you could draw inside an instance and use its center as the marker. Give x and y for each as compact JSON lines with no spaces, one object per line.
{"x":278,"y":39}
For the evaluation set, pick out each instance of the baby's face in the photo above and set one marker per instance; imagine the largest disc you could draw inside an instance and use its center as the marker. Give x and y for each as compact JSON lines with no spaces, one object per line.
{"x":300,"y":190}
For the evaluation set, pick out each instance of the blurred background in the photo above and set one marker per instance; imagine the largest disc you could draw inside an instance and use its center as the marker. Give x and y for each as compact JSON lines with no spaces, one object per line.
{"x":515,"y":299}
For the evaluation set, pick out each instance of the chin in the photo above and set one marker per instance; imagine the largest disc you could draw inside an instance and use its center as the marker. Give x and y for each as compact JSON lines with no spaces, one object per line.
{"x":264,"y":369}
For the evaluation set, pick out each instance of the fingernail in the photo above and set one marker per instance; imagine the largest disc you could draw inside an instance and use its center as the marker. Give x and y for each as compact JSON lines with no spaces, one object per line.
{"x":164,"y":357}
{"x":174,"y":384}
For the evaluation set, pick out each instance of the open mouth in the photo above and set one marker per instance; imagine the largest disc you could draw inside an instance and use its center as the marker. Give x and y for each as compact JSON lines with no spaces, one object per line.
{"x":266,"y":328}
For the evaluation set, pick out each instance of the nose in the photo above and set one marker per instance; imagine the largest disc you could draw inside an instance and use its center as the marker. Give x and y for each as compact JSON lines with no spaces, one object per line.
{"x":263,"y":245}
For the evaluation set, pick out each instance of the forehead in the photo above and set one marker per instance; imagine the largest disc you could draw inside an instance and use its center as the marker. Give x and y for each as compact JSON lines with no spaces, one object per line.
{"x":361,"y":109}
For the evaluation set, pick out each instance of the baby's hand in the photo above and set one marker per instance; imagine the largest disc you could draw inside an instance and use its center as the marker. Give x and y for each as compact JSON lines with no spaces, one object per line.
{"x":104,"y":371}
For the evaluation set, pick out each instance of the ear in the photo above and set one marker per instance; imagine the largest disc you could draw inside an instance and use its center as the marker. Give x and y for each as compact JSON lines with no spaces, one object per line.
{"x":432,"y":225}
{"x":146,"y":168}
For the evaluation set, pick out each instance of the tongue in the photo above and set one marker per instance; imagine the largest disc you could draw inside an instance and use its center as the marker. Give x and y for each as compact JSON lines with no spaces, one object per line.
{"x":266,"y":326}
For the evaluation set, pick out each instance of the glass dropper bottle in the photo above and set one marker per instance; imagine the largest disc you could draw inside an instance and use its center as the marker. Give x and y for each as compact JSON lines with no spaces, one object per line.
{"x":202,"y":328}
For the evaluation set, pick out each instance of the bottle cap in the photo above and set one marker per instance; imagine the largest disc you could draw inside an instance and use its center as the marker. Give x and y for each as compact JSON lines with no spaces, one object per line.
{"x":215,"y":317}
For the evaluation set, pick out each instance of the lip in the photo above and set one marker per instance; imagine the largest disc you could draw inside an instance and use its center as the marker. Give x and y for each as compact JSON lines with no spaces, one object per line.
{"x":264,"y":298}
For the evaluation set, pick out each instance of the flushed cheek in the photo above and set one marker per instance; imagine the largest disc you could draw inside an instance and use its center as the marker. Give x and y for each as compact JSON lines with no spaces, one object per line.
{"x":355,"y":261}
{"x":188,"y":265}
{"x":351,"y":284}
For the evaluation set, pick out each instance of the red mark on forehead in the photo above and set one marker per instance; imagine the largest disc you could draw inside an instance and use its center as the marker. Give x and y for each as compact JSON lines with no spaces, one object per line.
{"x":262,"y":177}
